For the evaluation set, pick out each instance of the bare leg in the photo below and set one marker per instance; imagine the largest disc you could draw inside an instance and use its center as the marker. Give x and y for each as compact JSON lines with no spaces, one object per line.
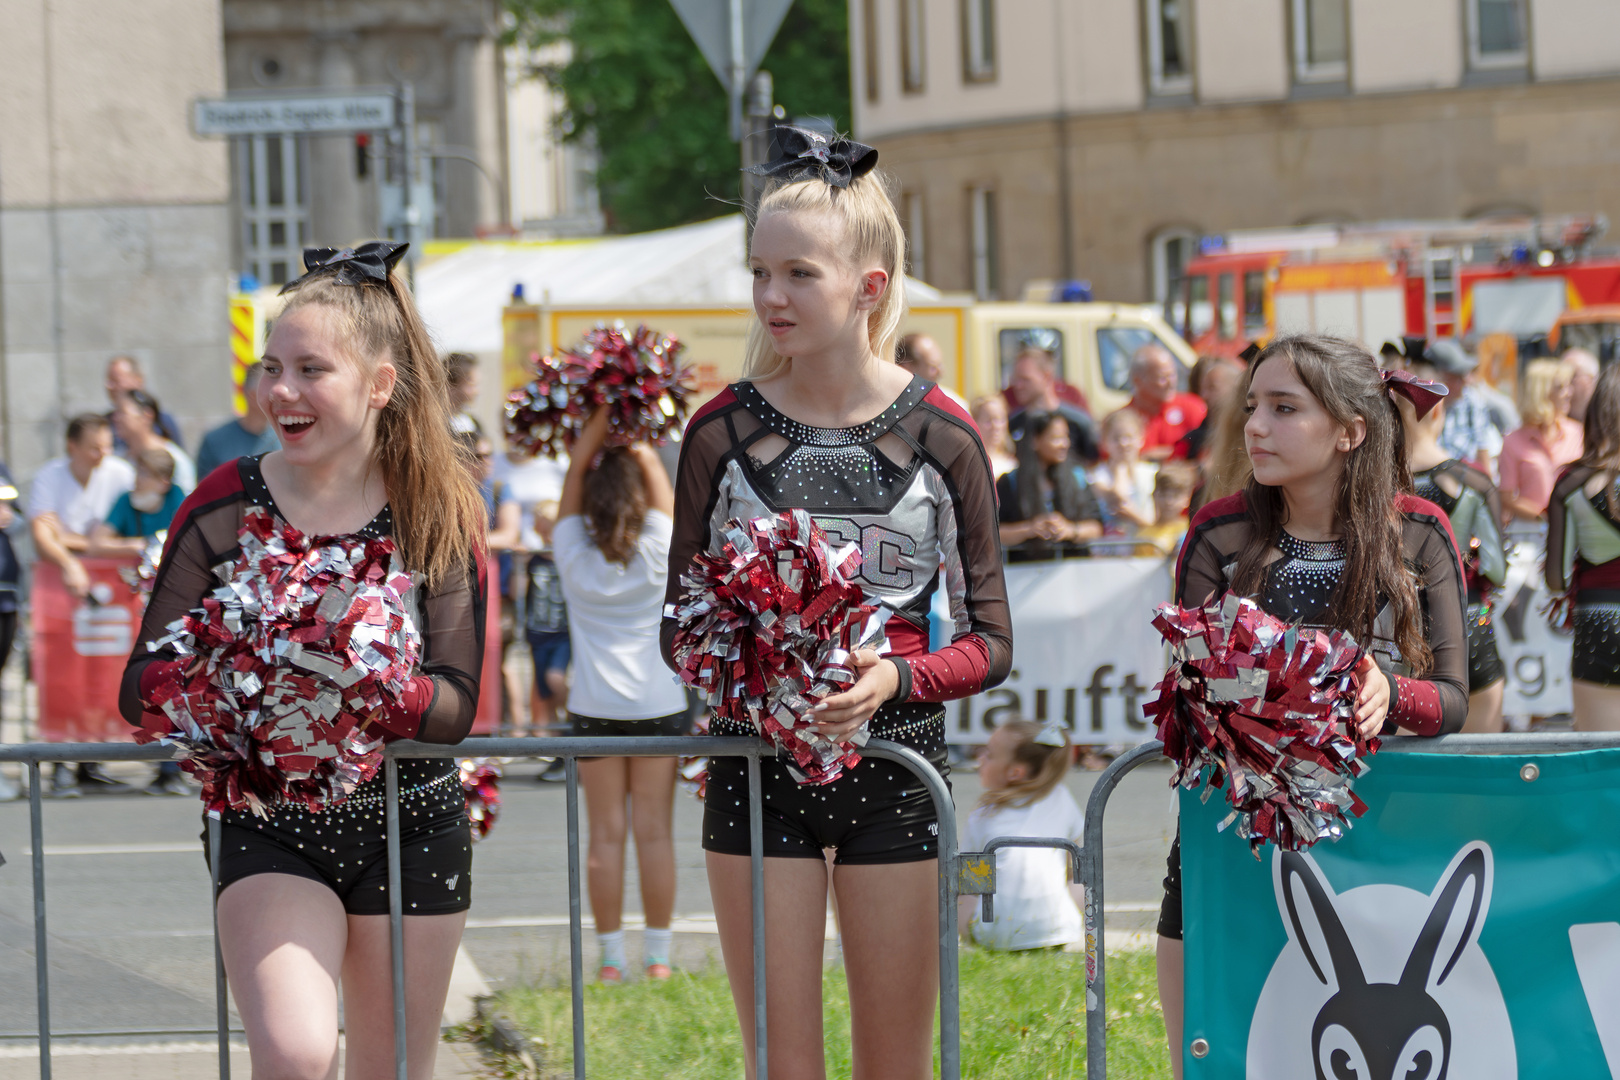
{"x":606,"y":783}
{"x":284,"y":938}
{"x":368,"y":993}
{"x":652,"y":812}
{"x":795,"y":914}
{"x":1485,"y":710}
{"x":891,"y":959}
{"x":1597,"y":707}
{"x":557,"y":683}
{"x":1172,"y":998}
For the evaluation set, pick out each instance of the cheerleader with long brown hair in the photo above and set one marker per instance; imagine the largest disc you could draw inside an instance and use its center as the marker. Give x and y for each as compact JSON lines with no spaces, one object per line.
{"x":1326,"y":533}
{"x":359,"y":399}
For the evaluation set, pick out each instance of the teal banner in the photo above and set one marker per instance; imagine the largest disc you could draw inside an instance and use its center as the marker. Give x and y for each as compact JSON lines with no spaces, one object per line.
{"x":1468,"y":927}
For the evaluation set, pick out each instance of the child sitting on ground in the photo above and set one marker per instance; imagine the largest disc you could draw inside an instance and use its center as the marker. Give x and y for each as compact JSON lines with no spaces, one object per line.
{"x":1021,"y":771}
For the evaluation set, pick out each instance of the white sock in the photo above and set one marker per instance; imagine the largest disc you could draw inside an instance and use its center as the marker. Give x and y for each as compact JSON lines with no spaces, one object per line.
{"x":612,"y":946}
{"x":655,"y":946}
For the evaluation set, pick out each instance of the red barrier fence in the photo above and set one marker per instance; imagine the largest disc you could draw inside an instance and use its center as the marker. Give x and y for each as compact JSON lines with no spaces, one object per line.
{"x":79,"y":650}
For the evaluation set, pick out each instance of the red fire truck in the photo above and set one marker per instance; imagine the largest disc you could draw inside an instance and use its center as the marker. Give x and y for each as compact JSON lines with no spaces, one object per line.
{"x":1376,"y":282}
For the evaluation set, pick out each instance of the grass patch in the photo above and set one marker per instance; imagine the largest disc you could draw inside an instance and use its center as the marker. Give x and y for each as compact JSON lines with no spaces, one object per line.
{"x":1023,"y":1018}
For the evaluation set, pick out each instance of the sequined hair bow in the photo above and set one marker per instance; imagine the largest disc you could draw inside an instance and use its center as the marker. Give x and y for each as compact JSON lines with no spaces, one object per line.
{"x":810,"y":154}
{"x":368,"y":264}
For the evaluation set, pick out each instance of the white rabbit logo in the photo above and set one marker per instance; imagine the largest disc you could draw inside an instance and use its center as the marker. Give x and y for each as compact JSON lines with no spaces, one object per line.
{"x":1382,"y":982}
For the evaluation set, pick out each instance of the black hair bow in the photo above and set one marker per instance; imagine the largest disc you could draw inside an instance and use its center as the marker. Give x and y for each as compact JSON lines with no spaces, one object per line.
{"x":811,"y":154}
{"x":1423,"y":394}
{"x":368,"y":264}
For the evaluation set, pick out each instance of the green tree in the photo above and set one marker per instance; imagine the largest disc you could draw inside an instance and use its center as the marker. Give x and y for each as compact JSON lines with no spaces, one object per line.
{"x":636,"y":84}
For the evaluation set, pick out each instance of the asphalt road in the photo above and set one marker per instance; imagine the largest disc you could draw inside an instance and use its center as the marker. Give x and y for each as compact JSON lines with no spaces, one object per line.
{"x":128,"y":914}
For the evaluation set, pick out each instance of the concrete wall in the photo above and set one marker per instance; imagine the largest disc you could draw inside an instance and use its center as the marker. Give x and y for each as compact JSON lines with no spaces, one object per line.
{"x":113,"y":220}
{"x":1405,"y":45}
{"x":1438,"y":154}
{"x":1086,"y":56}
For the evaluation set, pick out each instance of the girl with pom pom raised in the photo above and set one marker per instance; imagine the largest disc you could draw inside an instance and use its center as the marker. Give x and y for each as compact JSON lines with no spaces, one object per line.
{"x":1328,"y":534}
{"x":825,"y":422}
{"x":351,"y":613}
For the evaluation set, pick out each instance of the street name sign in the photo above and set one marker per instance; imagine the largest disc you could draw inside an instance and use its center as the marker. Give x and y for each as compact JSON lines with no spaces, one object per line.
{"x":307,"y":114}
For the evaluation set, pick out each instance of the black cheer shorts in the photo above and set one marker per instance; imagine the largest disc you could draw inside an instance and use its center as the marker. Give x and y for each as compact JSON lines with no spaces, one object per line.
{"x":597,"y":727}
{"x":877,"y":812}
{"x":1170,"y":906}
{"x":1485,"y":667}
{"x":1597,"y":637}
{"x":345,"y":848}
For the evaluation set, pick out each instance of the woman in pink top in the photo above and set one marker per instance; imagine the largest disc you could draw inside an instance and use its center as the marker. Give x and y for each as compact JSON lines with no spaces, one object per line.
{"x":1533,"y":455}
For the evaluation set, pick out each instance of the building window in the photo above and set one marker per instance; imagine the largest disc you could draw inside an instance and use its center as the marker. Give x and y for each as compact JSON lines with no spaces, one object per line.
{"x":275,"y":207}
{"x":1170,"y":251}
{"x":913,"y":221}
{"x":1169,"y":47}
{"x":869,"y":32}
{"x":1321,"y":41}
{"x":978,"y":40}
{"x":1496,"y":33}
{"x":983,"y":230}
{"x":912,"y":51}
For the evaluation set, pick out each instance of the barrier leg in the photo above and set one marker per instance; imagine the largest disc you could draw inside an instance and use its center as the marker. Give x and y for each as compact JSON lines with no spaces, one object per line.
{"x":756,"y":860}
{"x":950,"y":1005}
{"x":42,"y":966}
{"x":396,"y":914}
{"x":1091,"y":875}
{"x":222,"y":1006}
{"x":576,"y":944}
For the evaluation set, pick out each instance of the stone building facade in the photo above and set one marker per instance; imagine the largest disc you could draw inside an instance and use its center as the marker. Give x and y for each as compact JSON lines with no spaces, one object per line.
{"x":114,"y":221}
{"x":1053,"y":139}
{"x":335,"y":189}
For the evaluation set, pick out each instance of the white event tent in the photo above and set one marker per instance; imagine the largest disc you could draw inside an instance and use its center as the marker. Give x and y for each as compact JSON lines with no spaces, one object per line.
{"x":462,"y":294}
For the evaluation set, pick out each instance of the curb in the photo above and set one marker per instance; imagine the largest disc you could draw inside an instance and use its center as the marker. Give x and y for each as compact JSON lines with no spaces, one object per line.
{"x":500,"y":1036}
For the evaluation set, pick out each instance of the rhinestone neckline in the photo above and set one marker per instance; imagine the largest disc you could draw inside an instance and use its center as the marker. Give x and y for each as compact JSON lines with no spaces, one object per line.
{"x":805,"y":435}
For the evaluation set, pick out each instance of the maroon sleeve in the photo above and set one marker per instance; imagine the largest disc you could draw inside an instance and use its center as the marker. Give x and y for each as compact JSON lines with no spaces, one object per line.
{"x":971,"y":552}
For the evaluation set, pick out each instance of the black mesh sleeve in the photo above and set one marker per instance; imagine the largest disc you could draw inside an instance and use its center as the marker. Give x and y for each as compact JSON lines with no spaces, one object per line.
{"x":704,"y":450}
{"x":1561,"y":543}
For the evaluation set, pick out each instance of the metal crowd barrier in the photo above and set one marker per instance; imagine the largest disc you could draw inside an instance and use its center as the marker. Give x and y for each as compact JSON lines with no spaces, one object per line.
{"x":570,"y":749}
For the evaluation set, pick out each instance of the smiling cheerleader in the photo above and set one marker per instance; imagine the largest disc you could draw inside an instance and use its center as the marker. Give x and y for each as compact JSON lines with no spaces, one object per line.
{"x":352,"y":614}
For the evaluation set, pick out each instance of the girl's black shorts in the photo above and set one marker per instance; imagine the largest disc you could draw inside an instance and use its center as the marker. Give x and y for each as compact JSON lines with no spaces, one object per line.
{"x":1170,"y":906}
{"x":1485,"y":667}
{"x":346,"y":849}
{"x":877,"y":812}
{"x":596,"y":726}
{"x":1597,"y":638}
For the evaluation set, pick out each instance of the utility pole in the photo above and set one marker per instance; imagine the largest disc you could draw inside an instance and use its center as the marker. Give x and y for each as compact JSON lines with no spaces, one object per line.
{"x":762,"y":114}
{"x":407,"y":121}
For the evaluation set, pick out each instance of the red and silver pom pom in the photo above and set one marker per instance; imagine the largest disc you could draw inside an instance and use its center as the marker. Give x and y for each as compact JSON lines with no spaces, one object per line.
{"x":1251,"y":700}
{"x":767,"y":627}
{"x":285,"y":663}
{"x":481,"y":784}
{"x":140,"y":578}
{"x":637,"y":375}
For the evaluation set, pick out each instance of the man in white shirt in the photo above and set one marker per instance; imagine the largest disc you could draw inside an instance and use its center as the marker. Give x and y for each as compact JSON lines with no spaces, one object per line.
{"x":72,"y":494}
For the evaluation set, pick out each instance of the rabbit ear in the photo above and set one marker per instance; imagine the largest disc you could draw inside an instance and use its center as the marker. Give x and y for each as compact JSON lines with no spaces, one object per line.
{"x":1346,"y":967}
{"x":1471,"y":865}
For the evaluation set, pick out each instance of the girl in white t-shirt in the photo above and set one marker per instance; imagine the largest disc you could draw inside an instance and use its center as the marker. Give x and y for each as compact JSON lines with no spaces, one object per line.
{"x":1021,"y":771}
{"x":611,"y":545}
